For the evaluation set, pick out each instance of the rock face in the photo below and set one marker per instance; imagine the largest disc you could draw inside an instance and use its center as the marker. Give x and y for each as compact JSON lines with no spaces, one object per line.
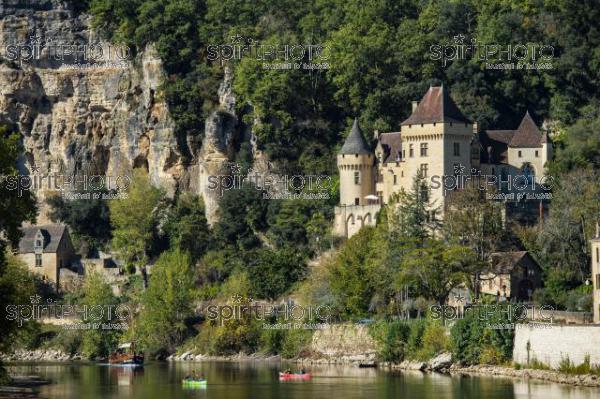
{"x":344,"y":343}
{"x":83,"y":114}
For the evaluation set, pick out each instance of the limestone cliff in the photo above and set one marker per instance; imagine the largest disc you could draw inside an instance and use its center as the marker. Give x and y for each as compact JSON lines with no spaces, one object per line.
{"x":80,"y":113}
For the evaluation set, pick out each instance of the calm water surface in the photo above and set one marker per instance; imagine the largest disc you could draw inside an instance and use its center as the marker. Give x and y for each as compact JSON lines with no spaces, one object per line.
{"x":260,"y":381}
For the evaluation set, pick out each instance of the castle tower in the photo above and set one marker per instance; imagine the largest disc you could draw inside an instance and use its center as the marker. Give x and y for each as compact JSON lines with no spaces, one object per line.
{"x":436,"y":139}
{"x":595,"y":244}
{"x":356,"y":167}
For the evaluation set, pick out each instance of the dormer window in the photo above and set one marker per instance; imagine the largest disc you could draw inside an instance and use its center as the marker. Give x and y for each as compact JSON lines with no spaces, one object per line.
{"x":38,"y":244}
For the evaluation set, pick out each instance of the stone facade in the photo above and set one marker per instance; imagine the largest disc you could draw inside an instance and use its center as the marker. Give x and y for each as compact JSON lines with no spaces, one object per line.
{"x":514,"y":276}
{"x":552,"y":344}
{"x":438,"y":140}
{"x":46,"y":249}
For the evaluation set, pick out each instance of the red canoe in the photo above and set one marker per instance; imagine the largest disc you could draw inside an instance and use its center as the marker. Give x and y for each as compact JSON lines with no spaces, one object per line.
{"x":290,"y":376}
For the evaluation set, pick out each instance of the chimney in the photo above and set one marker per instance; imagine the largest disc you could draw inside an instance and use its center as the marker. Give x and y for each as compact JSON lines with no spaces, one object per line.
{"x":415,"y":104}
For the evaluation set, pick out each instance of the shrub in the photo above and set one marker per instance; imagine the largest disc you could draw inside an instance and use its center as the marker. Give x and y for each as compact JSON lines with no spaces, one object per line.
{"x":473,"y":335}
{"x":295,"y":341}
{"x":434,"y":340}
{"x":392,"y":337}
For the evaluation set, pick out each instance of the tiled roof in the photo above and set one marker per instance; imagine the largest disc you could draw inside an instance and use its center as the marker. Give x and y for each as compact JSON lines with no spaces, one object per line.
{"x":505,"y":262}
{"x":355,"y":143}
{"x":52,"y":233}
{"x":392,"y":146}
{"x":527,"y":134}
{"x":436,"y":106}
{"x":494,"y":145}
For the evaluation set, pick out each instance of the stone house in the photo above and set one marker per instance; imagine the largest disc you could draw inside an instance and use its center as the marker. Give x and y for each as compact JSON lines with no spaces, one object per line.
{"x":513,"y":276}
{"x":46,"y":249}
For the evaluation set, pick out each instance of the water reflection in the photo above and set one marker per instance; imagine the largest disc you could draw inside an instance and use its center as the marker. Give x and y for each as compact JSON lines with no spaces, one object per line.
{"x":250,"y":380}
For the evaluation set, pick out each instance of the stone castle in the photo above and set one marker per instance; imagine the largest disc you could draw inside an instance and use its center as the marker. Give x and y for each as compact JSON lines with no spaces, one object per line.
{"x":437,"y":140}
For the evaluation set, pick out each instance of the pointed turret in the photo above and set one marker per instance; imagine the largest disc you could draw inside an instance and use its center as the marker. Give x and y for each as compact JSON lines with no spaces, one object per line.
{"x":355,"y":143}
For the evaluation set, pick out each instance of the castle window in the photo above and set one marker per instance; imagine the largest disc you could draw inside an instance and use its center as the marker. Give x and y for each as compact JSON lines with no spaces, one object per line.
{"x":402,"y":173}
{"x":356,"y":177}
{"x":38,"y":243}
{"x":423,"y":149}
{"x":598,"y":281}
{"x":395,"y":180}
{"x":403,"y":153}
{"x":424,"y":168}
{"x":38,"y":260}
{"x":520,"y":154}
{"x":356,"y":202}
{"x":411,"y":151}
{"x":456,"y":149}
{"x":493,"y":171}
{"x":597,"y":255}
{"x":537,"y":153}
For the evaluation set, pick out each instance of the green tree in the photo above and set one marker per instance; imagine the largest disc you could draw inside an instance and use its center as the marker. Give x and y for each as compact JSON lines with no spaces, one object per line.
{"x":273,"y":272}
{"x":133,"y":220}
{"x":161,"y":324}
{"x":98,"y":342}
{"x":15,"y":207}
{"x":186,"y":226}
{"x":435,"y":268}
{"x":357,"y":276}
{"x":88,"y":219}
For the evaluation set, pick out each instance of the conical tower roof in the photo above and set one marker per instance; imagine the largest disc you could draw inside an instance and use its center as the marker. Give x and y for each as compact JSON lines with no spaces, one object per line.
{"x":355,"y":143}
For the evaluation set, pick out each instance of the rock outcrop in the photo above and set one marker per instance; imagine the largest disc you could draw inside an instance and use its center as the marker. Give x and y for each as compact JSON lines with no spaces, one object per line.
{"x":90,"y":115}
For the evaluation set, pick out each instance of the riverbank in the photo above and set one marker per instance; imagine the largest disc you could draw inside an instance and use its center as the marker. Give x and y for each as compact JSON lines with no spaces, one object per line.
{"x":586,"y":380}
{"x":39,"y":355}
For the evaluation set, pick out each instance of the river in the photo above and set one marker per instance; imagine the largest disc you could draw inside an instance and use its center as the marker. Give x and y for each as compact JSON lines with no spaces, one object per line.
{"x":259,"y":380}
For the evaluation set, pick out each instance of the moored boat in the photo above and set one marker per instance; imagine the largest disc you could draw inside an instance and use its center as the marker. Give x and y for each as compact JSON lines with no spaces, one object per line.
{"x":125,"y":355}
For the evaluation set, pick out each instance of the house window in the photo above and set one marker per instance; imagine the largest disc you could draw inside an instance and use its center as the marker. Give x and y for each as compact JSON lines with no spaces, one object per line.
{"x":356,"y":202}
{"x":520,"y":154}
{"x":537,"y":153}
{"x":356,"y":177}
{"x":38,"y":260}
{"x":411,"y":151}
{"x":423,"y":149}
{"x":424,"y":168}
{"x":456,"y":149}
{"x":395,"y":180}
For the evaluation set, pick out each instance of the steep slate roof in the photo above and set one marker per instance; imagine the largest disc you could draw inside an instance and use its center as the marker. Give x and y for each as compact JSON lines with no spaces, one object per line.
{"x":436,"y":106}
{"x":355,"y":143}
{"x":527,"y":134}
{"x":392,"y":146}
{"x":496,"y":141}
{"x":505,"y":262}
{"x":52,"y":233}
